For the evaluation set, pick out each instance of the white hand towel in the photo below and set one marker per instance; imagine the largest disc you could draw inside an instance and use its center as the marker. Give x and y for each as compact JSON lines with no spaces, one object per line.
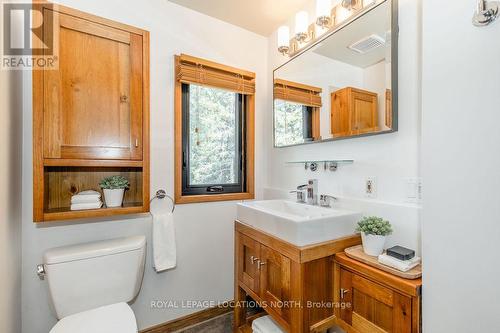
{"x":401,"y":265}
{"x":84,"y":206}
{"x":86,"y":197}
{"x":266,"y":324}
{"x":164,"y":249}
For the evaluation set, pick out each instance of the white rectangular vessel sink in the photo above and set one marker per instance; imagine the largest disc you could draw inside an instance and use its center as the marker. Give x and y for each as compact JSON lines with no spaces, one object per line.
{"x":298,"y":223}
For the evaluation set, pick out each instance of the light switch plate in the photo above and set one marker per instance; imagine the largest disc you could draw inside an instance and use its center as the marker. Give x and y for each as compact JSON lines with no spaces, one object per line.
{"x":413,"y":190}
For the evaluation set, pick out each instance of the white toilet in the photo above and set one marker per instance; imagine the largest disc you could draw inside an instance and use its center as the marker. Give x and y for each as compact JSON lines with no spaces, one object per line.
{"x":91,"y":283}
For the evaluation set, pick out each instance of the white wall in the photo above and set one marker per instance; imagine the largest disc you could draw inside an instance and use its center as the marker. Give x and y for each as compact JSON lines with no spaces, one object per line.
{"x":10,"y":199}
{"x":461,"y":170}
{"x":391,"y":158}
{"x":204,"y":231}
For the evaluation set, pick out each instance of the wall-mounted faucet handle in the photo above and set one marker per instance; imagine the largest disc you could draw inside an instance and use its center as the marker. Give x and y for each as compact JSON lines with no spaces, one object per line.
{"x":325,"y":200}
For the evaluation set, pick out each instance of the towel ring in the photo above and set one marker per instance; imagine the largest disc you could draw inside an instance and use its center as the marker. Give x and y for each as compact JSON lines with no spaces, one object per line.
{"x":161,"y":194}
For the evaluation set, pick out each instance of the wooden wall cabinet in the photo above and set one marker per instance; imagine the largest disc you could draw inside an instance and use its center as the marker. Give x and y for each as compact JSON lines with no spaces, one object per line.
{"x":353,"y":112}
{"x":91,"y":113}
{"x":293,"y":283}
{"x":378,"y":302}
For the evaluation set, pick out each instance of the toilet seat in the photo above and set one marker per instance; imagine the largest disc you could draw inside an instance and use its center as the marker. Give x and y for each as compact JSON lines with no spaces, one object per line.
{"x":115,"y":318}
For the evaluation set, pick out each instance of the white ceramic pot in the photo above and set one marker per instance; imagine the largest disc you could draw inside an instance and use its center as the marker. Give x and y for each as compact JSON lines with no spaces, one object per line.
{"x":114,"y":198}
{"x":373,"y":245}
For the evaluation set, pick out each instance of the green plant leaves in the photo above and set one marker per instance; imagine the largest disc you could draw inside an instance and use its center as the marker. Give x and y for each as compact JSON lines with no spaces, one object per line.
{"x":114,"y":183}
{"x":373,"y":225}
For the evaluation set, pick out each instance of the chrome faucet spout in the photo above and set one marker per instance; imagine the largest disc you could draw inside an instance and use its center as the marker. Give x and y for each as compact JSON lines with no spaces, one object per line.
{"x":312,"y":192}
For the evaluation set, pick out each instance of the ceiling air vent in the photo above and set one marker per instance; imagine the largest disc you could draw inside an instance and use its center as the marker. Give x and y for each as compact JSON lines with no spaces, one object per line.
{"x":367,"y":44}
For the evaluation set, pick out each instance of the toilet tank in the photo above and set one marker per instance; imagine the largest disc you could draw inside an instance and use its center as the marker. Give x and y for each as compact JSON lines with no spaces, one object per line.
{"x":86,"y":276}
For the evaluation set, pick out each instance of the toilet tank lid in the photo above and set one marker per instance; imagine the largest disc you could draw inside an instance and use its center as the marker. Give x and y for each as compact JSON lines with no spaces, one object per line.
{"x":69,"y":253}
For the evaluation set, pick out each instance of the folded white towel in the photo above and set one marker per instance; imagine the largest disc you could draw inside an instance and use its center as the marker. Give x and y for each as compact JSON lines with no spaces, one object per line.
{"x":266,"y":324}
{"x":400,"y":265}
{"x":84,"y":206}
{"x":89,"y":196}
{"x":164,"y":248}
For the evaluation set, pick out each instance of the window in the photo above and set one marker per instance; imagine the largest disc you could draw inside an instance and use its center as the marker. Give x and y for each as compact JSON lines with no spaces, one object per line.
{"x":292,"y":123}
{"x":212,"y":140}
{"x":296,"y":112}
{"x":214,"y":131}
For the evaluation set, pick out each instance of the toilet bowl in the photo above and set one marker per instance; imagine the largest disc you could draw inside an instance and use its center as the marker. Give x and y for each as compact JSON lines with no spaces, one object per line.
{"x":90,"y":284}
{"x":111,"y":318}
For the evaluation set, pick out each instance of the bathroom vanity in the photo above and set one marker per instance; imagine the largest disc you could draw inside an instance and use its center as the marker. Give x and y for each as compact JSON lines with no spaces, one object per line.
{"x":293,"y":283}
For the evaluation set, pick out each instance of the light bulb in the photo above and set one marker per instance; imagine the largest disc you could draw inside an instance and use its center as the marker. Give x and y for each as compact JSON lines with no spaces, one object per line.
{"x":283,"y":36}
{"x":301,"y":22}
{"x":323,"y":8}
{"x":283,"y":39}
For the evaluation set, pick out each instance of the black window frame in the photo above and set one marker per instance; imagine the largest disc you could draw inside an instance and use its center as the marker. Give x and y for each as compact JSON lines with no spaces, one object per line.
{"x":213,"y":189}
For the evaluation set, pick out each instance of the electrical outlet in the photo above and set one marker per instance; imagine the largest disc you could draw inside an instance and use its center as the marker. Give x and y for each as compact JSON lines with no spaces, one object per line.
{"x":371,"y":187}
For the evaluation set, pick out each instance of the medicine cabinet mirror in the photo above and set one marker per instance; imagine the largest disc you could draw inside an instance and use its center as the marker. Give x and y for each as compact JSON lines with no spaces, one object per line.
{"x":345,"y":84}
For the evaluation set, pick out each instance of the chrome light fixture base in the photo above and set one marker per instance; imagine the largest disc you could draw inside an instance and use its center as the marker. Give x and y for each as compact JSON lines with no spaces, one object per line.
{"x":324,"y":21}
{"x":349,"y":4}
{"x":283,"y":50}
{"x":487,"y":12}
{"x":301,"y":37}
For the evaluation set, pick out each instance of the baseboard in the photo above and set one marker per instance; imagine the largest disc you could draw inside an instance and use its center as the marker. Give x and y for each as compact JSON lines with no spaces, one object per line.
{"x":189,"y":320}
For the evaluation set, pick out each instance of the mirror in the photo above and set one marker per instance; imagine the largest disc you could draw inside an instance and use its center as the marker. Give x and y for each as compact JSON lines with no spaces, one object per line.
{"x":344,"y":85}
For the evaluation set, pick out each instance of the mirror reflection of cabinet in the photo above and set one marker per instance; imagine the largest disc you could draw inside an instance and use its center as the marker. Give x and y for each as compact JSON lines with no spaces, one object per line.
{"x":353,"y":111}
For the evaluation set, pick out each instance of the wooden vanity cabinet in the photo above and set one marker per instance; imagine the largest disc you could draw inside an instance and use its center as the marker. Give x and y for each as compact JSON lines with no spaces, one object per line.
{"x":90,"y":113}
{"x":375,"y":301}
{"x":293,"y":284}
{"x":353,"y":111}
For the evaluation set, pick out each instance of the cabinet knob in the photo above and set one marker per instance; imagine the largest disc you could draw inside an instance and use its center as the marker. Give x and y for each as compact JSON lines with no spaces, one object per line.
{"x":136,"y":143}
{"x":254,"y":259}
{"x":261,"y":263}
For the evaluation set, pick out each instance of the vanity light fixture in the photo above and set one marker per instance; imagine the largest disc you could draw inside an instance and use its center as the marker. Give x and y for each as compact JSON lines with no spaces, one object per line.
{"x":327,"y":18}
{"x":284,"y":39}
{"x":323,"y":13}
{"x":301,"y":26}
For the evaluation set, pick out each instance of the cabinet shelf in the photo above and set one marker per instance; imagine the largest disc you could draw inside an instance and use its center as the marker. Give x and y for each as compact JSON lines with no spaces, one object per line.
{"x":91,"y":163}
{"x":62,"y":181}
{"x":64,"y":213}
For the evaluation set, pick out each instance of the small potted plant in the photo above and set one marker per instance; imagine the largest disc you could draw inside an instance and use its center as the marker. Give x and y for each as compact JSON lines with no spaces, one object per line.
{"x":374,"y":231}
{"x":114,"y":188}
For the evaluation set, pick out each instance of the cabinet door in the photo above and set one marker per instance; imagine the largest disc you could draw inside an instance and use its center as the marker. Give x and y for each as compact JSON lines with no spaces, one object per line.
{"x":340,"y":115}
{"x":275,"y":281}
{"x":374,"y":308}
{"x":93,"y":102}
{"x":247,"y":258}
{"x":364,"y":108}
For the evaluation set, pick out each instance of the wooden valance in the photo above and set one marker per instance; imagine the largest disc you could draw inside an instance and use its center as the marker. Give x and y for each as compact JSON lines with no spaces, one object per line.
{"x":297,"y":93}
{"x":194,"y":70}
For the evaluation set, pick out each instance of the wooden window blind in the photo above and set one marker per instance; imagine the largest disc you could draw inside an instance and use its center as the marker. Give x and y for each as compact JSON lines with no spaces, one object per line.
{"x":194,"y":70}
{"x":297,"y":93}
